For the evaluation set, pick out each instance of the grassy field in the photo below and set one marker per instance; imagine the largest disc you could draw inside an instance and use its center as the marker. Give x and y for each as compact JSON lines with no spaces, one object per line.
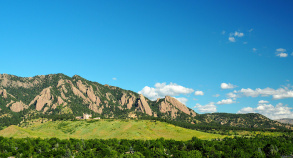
{"x":105,"y":129}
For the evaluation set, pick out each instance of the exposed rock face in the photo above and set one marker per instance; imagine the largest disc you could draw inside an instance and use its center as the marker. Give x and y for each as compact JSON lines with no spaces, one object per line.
{"x":76,"y":91}
{"x":10,"y":103}
{"x":126,"y":99}
{"x":44,"y":98}
{"x":80,"y":86}
{"x":143,"y":105}
{"x":3,"y":93}
{"x":90,"y":94}
{"x":177,"y":104}
{"x":123,"y":99}
{"x":60,"y":82}
{"x":131,"y":102}
{"x":18,"y":106}
{"x":173,"y":105}
{"x":60,"y":101}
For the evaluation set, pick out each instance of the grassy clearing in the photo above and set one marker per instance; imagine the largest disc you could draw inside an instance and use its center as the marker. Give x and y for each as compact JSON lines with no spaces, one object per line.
{"x":106,"y":129}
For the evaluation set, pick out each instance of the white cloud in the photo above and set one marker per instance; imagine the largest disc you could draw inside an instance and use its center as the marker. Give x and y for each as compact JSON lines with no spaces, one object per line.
{"x":226,"y":101}
{"x":246,"y":110}
{"x":182,"y":100}
{"x":114,"y":78}
{"x":280,"y":93}
{"x":281,"y":52}
{"x":263,"y":102}
{"x":162,"y":89}
{"x":232,"y":39}
{"x":288,"y":94}
{"x":227,"y":86}
{"x":198,"y":93}
{"x":234,"y":35}
{"x":231,"y":95}
{"x":282,"y":55}
{"x":250,"y":30}
{"x":210,"y":107}
{"x":216,"y":95}
{"x":273,"y":112}
{"x":238,"y":34}
{"x":254,"y":49}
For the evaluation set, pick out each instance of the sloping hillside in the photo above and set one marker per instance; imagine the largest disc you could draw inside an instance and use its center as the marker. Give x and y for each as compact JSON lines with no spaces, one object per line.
{"x":105,"y":129}
{"x":56,"y":95}
{"x":23,"y":97}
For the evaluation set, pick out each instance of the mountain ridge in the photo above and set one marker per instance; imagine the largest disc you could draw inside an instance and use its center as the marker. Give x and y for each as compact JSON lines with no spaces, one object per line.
{"x":57,"y":94}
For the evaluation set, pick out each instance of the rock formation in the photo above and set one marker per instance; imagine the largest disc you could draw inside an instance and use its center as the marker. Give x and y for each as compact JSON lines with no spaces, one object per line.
{"x":3,"y":93}
{"x":144,"y":106}
{"x":18,"y":106}
{"x":44,"y":98}
{"x":172,"y":105}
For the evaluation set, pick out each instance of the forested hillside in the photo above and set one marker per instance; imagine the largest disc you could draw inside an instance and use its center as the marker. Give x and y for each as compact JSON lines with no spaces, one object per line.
{"x":57,"y":96}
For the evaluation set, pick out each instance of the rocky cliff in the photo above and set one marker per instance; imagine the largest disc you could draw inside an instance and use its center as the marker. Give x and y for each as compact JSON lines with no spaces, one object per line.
{"x":47,"y":94}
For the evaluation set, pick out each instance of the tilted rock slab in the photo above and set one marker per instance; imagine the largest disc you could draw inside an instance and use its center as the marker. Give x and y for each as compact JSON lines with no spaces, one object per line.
{"x":45,"y":97}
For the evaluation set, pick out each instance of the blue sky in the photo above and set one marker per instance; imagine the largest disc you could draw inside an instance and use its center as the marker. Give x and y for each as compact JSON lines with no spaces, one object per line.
{"x":160,"y":48}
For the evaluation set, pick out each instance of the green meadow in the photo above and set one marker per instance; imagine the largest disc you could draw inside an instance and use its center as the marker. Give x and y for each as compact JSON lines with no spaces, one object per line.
{"x":105,"y":129}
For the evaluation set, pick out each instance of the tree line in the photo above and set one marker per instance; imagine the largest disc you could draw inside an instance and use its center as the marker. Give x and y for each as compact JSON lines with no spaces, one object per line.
{"x":259,"y":146}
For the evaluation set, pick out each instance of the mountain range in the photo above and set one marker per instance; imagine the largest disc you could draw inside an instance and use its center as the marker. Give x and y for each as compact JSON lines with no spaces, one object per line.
{"x":58,"y":94}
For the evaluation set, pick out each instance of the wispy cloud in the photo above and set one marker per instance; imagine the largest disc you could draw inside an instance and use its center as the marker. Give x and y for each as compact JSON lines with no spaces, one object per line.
{"x":227,"y":86}
{"x":254,"y":49}
{"x":114,"y":78}
{"x":238,"y":34}
{"x":162,"y":89}
{"x":250,"y":30}
{"x":263,"y":102}
{"x":281,"y":52}
{"x":246,"y":110}
{"x":198,"y":93}
{"x":280,"y":93}
{"x":210,"y":107}
{"x":232,"y":39}
{"x":226,"y":101}
{"x":234,"y":35}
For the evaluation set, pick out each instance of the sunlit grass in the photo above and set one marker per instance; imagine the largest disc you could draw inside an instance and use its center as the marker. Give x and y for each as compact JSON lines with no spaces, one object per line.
{"x":105,"y":129}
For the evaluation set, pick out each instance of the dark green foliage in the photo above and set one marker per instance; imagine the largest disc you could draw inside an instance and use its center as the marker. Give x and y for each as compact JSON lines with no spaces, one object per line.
{"x":260,"y":146}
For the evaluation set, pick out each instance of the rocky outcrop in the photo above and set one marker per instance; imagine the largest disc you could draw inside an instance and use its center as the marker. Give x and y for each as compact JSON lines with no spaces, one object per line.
{"x":18,"y":106}
{"x":81,"y":86}
{"x":3,"y":93}
{"x":76,"y":91}
{"x":129,"y":101}
{"x":123,"y":99}
{"x":60,"y":82}
{"x":143,"y":106}
{"x":90,"y":94}
{"x":172,"y":105}
{"x":59,"y":102}
{"x":44,"y":98}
